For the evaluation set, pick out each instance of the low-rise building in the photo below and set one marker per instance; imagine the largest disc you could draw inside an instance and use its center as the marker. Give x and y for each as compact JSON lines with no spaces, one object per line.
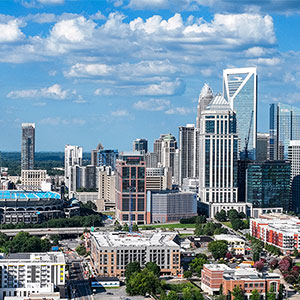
{"x":112,"y":251}
{"x":215,"y":275}
{"x":33,"y":179}
{"x":235,"y":243}
{"x":201,"y":241}
{"x":279,"y":230}
{"x":24,"y":274}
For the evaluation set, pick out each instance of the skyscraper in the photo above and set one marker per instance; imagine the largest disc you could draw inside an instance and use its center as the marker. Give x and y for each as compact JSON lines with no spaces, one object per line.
{"x":94,"y":154}
{"x":218,"y":147}
{"x":205,"y":97}
{"x":107,"y":157}
{"x":28,"y":146}
{"x":240,"y":90}
{"x":140,"y":145}
{"x":284,"y":127}
{"x":262,"y":146}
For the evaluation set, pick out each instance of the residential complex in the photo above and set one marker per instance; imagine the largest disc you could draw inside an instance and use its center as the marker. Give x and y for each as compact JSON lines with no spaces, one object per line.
{"x":279,"y":230}
{"x":22,"y":274}
{"x":111,"y":252}
{"x":28,"y":146}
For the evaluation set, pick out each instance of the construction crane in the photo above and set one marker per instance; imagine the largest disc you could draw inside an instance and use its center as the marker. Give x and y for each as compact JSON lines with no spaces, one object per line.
{"x":247,"y":138}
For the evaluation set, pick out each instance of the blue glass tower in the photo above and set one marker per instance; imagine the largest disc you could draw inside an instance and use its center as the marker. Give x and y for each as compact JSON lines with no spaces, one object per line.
{"x":107,"y":158}
{"x":240,"y":90}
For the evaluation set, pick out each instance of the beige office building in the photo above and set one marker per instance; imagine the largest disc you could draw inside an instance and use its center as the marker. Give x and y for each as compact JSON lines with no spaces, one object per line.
{"x":33,"y":179}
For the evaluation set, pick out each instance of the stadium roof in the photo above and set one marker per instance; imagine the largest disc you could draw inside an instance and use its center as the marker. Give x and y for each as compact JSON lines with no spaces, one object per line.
{"x":11,"y":195}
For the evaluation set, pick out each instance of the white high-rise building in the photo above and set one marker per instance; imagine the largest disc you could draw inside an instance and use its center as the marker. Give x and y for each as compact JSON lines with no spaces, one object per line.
{"x":218,"y":146}
{"x":205,"y":97}
{"x":240,"y":90}
{"x":73,"y":157}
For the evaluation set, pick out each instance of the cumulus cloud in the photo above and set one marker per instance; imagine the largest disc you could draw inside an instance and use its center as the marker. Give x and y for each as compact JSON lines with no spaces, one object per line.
{"x":152,"y":104}
{"x":10,"y":31}
{"x":178,"y":111}
{"x":104,"y":92}
{"x":53,"y":92}
{"x":85,"y":70}
{"x":120,"y":113}
{"x":162,"y":88}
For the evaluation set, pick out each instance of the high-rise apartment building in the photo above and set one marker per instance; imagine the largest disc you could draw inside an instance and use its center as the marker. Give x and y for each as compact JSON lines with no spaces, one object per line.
{"x":240,"y":90}
{"x":165,"y":147}
{"x":188,"y":152}
{"x":294,"y":159}
{"x":94,"y":154}
{"x":131,"y":188}
{"x":151,"y":159}
{"x":262,"y":146}
{"x":28,"y":146}
{"x":73,"y":157}
{"x":205,"y":98}
{"x":284,"y":127}
{"x":107,"y":157}
{"x":268,"y":184}
{"x":218,"y":146}
{"x":140,"y":145}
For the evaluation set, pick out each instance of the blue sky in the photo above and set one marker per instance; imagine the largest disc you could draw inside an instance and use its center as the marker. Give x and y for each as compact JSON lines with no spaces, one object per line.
{"x":111,"y":71}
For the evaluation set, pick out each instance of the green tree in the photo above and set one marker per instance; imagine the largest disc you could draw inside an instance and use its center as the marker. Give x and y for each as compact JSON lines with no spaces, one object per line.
{"x":296,"y":253}
{"x":196,"y":265}
{"x":256,"y":256}
{"x":55,"y":239}
{"x":125,"y":227}
{"x":255,"y":295}
{"x":238,"y":293}
{"x":131,"y":268}
{"x":280,"y":293}
{"x":200,"y":219}
{"x":80,"y":250}
{"x":187,"y":294}
{"x":271,"y":294}
{"x":233,"y":214}
{"x":221,"y":216}
{"x":135,"y":228}
{"x":188,"y":274}
{"x":237,"y":224}
{"x":218,"y":249}
{"x":151,"y":266}
{"x":172,"y":296}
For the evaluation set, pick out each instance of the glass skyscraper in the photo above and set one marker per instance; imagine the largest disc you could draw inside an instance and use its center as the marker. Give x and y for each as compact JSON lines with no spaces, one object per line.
{"x":28,"y":146}
{"x":268,"y":184}
{"x":240,"y":90}
{"x":107,"y":158}
{"x":284,"y":127}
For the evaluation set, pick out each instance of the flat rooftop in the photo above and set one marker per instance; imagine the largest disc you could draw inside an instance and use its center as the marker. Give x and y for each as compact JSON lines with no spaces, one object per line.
{"x":217,"y":267}
{"x":116,"y":239}
{"x":15,"y":194}
{"x":43,"y":257}
{"x":229,"y":237}
{"x":248,"y":274}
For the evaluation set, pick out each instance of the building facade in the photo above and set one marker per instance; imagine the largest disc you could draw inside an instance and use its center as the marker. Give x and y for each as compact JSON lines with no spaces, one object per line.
{"x":22,"y":274}
{"x":33,"y":179}
{"x":140,"y":145}
{"x":240,"y":90}
{"x":151,"y":160}
{"x":268,"y":184}
{"x":28,"y":146}
{"x":205,"y":97}
{"x":262,"y":147}
{"x":235,"y":243}
{"x":158,"y":179}
{"x":131,"y":188}
{"x":284,"y":127}
{"x":112,"y":251}
{"x":107,"y":158}
{"x":294,"y":159}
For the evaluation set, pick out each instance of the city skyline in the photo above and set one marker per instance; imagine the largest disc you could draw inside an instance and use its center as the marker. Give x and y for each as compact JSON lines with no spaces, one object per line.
{"x":81,"y":91}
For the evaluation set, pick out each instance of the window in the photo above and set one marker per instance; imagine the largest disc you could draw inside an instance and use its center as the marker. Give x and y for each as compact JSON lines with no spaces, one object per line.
{"x":141,"y":172}
{"x":125,"y":172}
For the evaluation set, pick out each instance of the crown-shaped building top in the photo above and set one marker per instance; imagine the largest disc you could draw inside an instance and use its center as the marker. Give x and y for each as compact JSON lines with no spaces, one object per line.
{"x":205,"y":97}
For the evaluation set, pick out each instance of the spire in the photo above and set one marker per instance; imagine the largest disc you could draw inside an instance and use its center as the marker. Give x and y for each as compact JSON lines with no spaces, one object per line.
{"x":205,"y":98}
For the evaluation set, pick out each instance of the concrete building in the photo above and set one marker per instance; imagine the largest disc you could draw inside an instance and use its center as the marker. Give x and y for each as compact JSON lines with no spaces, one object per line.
{"x":28,"y":146}
{"x":240,"y":90}
{"x":218,"y":148}
{"x":235,"y":243}
{"x":205,"y":97}
{"x":282,"y":231}
{"x":24,"y":274}
{"x":158,"y":179}
{"x":106,"y":199}
{"x":112,"y":251}
{"x":170,"y":206}
{"x":33,"y":179}
{"x":94,"y":154}
{"x":85,"y":197}
{"x":262,"y":147}
{"x":151,"y":160}
{"x":140,"y":145}
{"x":215,"y":275}
{"x":190,"y":185}
{"x":294,"y":159}
{"x":131,"y":188}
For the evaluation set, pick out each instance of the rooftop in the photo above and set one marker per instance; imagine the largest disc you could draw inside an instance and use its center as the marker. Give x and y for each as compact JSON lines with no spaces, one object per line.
{"x":228,"y":237}
{"x":122,"y":239}
{"x":14,"y":195}
{"x":217,"y":267}
{"x":247,"y":274}
{"x":55,"y":257}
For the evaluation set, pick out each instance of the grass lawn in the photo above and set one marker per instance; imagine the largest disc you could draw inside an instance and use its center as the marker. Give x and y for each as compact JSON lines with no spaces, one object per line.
{"x":182,"y":235}
{"x":228,"y":224}
{"x":177,"y":225}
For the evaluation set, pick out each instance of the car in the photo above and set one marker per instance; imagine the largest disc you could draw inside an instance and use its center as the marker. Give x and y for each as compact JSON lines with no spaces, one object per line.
{"x":109,"y":293}
{"x":291,"y":287}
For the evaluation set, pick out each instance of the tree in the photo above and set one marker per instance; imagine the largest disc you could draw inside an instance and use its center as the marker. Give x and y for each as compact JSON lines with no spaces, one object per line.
{"x":135,"y":228}
{"x":241,"y":215}
{"x":238,"y":293}
{"x":218,"y":249}
{"x":259,"y":265}
{"x":255,"y":295}
{"x":273,"y":264}
{"x":256,"y":256}
{"x":280,"y":293}
{"x":172,"y":296}
{"x":196,"y":265}
{"x":187,"y":294}
{"x":125,"y":227}
{"x":221,"y":216}
{"x":188,"y":274}
{"x":151,"y":266}
{"x":80,"y":250}
{"x":200,"y":219}
{"x":296,"y":253}
{"x":233,"y":214}
{"x":271,"y":294}
{"x":237,"y":224}
{"x":55,"y":239}
{"x":131,"y":268}
{"x":284,"y":265}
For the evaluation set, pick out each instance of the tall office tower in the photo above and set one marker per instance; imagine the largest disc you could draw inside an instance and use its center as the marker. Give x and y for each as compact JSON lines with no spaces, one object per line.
{"x":73,"y":157}
{"x":294,"y":159}
{"x":131,"y":188}
{"x":218,"y":147}
{"x":140,"y":145}
{"x":94,"y":154}
{"x":262,"y":146}
{"x":205,"y":98}
{"x":165,"y":147}
{"x":28,"y":146}
{"x":106,"y":189}
{"x":240,"y":90}
{"x":188,"y":152}
{"x":107,"y":158}
{"x":284,"y":127}
{"x":268,"y":184}
{"x":151,"y":159}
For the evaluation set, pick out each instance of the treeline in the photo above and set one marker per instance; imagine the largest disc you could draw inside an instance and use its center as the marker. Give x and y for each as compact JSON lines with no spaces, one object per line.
{"x":194,"y":220}
{"x":209,"y":229}
{"x":234,"y":217}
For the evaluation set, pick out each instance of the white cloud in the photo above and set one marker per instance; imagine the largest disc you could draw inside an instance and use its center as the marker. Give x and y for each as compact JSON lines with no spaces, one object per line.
{"x":120,"y":113}
{"x":41,"y":18}
{"x":152,"y":104}
{"x":51,"y":2}
{"x":163,"y":88}
{"x":85,"y":70}
{"x":10,"y":31}
{"x":98,"y":16}
{"x":58,"y":121}
{"x":178,"y":111}
{"x":144,"y":4}
{"x":53,"y":92}
{"x":104,"y":92}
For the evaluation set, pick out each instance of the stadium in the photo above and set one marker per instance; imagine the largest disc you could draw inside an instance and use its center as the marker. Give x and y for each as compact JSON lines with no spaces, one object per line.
{"x":29,"y":207}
